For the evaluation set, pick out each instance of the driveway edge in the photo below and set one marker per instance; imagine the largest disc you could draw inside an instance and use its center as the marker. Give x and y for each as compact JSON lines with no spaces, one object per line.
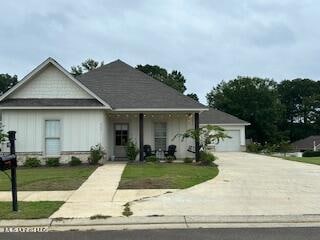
{"x":164,"y":222}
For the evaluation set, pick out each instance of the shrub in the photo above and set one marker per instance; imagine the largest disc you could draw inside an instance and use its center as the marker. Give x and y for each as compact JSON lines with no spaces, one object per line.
{"x":75,"y":161}
{"x":187,"y":160}
{"x":151,"y":159}
{"x":132,"y":150}
{"x":207,"y":158}
{"x":96,"y":153}
{"x":53,"y":162}
{"x":270,"y":148}
{"x":32,"y":162}
{"x":311,"y":154}
{"x":285,"y":147}
{"x":254,"y":147}
{"x":169,"y":159}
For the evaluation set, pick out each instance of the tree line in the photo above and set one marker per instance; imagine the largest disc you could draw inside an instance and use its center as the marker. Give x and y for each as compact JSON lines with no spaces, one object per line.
{"x":289,"y":110}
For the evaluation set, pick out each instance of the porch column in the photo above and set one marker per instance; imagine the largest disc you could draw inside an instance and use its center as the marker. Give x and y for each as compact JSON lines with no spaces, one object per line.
{"x":196,"y":142}
{"x":141,"y":136}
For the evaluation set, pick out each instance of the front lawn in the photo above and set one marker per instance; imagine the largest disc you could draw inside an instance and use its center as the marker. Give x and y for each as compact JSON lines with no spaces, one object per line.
{"x":29,"y":210}
{"x":165,"y":175}
{"x":312,"y":160}
{"x":48,"y":178}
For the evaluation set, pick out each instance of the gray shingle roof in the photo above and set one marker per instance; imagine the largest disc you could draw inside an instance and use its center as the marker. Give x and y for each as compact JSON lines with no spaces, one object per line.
{"x":123,"y":86}
{"x":214,"y":116}
{"x":306,"y":143}
{"x":50,"y":102}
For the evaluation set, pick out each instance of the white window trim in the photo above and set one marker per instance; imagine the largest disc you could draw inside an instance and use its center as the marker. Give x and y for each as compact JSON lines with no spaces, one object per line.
{"x":154,"y":135}
{"x":45,"y":138}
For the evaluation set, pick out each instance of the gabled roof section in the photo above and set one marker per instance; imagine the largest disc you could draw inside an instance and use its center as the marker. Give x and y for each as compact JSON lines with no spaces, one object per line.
{"x":42,"y":66}
{"x":215,"y":116}
{"x":307,"y":143}
{"x":128,"y":89}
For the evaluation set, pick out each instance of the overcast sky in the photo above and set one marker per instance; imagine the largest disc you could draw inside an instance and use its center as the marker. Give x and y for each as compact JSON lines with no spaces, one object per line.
{"x":208,"y":41}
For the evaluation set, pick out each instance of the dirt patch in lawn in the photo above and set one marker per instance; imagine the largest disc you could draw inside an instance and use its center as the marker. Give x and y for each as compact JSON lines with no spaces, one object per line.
{"x":148,"y":183}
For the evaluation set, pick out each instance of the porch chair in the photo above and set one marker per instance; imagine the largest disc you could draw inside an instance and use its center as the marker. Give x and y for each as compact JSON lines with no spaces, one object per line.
{"x":147,"y":151}
{"x":171,"y":151}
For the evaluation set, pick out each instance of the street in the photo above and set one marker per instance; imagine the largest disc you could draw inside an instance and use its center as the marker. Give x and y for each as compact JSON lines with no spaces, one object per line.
{"x":185,"y":234}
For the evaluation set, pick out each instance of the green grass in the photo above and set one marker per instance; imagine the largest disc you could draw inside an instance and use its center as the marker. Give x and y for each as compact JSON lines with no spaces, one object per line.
{"x":165,"y":175}
{"x":48,"y":179}
{"x":29,"y":210}
{"x":311,"y":160}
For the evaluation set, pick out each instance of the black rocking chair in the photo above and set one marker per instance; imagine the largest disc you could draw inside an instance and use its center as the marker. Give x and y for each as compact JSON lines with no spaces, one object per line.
{"x":171,"y":151}
{"x":147,"y":151}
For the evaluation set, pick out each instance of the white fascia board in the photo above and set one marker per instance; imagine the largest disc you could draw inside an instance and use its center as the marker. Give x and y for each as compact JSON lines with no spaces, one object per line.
{"x":142,"y":110}
{"x":54,"y":107}
{"x":64,"y":71}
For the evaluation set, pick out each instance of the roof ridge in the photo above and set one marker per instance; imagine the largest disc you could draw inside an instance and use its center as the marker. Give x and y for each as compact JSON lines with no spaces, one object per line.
{"x":98,"y":68}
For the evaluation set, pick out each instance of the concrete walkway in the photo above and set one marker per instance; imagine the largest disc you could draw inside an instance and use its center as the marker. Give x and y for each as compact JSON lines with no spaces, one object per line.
{"x":247,"y":184}
{"x":99,"y":194}
{"x":94,"y":197}
{"x":34,"y":196}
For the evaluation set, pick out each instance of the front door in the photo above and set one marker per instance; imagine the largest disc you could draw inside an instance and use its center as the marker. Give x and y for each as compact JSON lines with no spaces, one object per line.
{"x":121,"y":133}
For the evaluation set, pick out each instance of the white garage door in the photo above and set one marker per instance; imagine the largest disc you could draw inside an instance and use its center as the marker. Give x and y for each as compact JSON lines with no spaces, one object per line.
{"x":230,"y":144}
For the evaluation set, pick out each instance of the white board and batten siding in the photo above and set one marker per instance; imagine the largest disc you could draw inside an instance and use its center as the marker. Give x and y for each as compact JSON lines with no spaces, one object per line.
{"x":175,"y":123}
{"x":50,"y":83}
{"x":78,"y":129}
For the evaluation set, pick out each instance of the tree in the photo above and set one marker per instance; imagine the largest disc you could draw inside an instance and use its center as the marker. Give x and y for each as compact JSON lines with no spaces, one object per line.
{"x":3,"y":135}
{"x":7,"y":82}
{"x":209,"y":134}
{"x":301,"y":98}
{"x":85,"y":66}
{"x":194,"y":96}
{"x":254,"y":100}
{"x":175,"y":79}
{"x":284,"y":147}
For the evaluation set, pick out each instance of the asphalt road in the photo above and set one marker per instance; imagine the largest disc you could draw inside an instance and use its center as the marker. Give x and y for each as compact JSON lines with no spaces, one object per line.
{"x":183,"y":234}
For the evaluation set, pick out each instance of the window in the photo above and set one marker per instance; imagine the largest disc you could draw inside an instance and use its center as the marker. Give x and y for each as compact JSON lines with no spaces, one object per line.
{"x":52,"y":137}
{"x":121,"y":131}
{"x":160,"y":136}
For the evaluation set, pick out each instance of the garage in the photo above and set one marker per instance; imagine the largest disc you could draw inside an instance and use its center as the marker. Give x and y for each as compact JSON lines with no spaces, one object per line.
{"x":230,"y":144}
{"x":234,"y":127}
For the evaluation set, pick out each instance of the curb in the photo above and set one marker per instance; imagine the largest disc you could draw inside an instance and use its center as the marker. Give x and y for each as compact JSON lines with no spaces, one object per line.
{"x":161,"y":222}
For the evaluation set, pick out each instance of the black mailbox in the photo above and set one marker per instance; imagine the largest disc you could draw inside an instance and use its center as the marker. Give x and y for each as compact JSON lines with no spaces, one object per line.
{"x":8,"y":162}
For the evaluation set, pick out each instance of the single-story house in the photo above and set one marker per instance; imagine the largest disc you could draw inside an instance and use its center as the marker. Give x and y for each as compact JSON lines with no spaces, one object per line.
{"x":311,"y":143}
{"x":234,"y":128}
{"x":58,"y":115}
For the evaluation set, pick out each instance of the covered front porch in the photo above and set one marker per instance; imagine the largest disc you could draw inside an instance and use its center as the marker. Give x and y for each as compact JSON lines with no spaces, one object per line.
{"x":156,"y":129}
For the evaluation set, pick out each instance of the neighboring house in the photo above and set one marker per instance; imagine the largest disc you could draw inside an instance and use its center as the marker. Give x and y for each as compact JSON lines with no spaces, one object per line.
{"x":235,"y":128}
{"x":58,"y":115}
{"x":311,"y":143}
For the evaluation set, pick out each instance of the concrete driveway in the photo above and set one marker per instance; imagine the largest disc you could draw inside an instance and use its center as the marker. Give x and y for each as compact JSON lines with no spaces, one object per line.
{"x":247,"y":184}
